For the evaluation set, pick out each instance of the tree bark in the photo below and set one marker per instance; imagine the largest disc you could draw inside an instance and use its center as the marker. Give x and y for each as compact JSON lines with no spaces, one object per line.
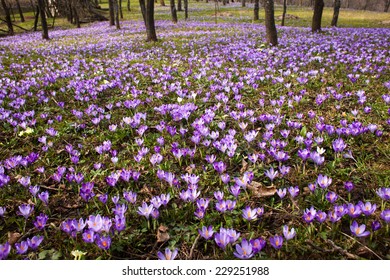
{"x":148,"y":14}
{"x":36,"y":19}
{"x":162,"y":3}
{"x":120,"y":9}
{"x":336,"y":10}
{"x":387,"y":6}
{"x":76,"y":14}
{"x":112,"y":12}
{"x":179,"y":6}
{"x":45,"y":31}
{"x":243,"y":3}
{"x":256,"y":10}
{"x":128,"y":6}
{"x":173,"y":10}
{"x":271,"y":33}
{"x":185,"y":9}
{"x":284,"y":11}
{"x":20,"y":11}
{"x":317,"y":15}
{"x":116,"y":13}
{"x":7,"y":18}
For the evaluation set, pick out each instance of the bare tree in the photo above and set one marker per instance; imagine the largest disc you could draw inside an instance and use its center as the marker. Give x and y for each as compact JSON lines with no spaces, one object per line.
{"x":128,"y":6}
{"x":179,"y":6}
{"x":116,"y":13}
{"x":387,"y":6}
{"x":317,"y":15}
{"x":336,"y":10}
{"x":284,"y":11}
{"x":271,"y":33}
{"x":173,"y":10}
{"x":20,"y":11}
{"x":185,"y":9}
{"x":147,"y":9}
{"x":111,"y":11}
{"x":256,"y":10}
{"x":42,"y":12}
{"x":243,"y":3}
{"x":8,"y":19}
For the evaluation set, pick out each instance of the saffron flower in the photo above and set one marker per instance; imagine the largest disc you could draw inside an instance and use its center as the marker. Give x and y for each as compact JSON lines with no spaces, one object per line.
{"x":21,"y":247}
{"x":385,"y":215}
{"x":324,"y":181}
{"x":276,"y":241}
{"x":40,"y":221}
{"x":258,"y":244}
{"x":34,"y":242}
{"x":244,"y":250}
{"x":367,"y":208}
{"x":5,"y":249}
{"x":359,"y":231}
{"x":206,"y":232}
{"x":288,"y":234}
{"x":103,"y":242}
{"x":384,"y":193}
{"x":168,"y":254}
{"x":294,"y":191}
{"x":281,"y":193}
{"x":338,"y":145}
{"x":89,"y":236}
{"x":309,"y":215}
{"x":331,"y":197}
{"x":249,"y":214}
{"x":222,"y":239}
{"x":95,"y":222}
{"x":44,"y":197}
{"x":145,"y":210}
{"x":375,"y":225}
{"x":26,"y":210}
{"x":348,"y":186}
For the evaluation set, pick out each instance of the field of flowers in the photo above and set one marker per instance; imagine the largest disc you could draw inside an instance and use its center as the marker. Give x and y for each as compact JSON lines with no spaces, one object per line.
{"x":206,"y":145}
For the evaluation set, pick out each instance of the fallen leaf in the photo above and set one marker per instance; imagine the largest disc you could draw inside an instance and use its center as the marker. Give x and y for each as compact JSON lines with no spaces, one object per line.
{"x":13,"y":237}
{"x":162,"y":234}
{"x":259,"y":190}
{"x":244,"y":167}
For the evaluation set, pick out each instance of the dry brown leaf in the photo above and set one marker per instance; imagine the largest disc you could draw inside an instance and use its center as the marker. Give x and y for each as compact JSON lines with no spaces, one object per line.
{"x":162,"y":234}
{"x":13,"y":237}
{"x":259,"y":190}
{"x":189,"y":169}
{"x":244,"y":167}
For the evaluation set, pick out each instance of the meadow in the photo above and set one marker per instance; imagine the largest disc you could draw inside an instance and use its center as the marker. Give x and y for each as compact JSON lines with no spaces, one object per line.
{"x":209,"y":144}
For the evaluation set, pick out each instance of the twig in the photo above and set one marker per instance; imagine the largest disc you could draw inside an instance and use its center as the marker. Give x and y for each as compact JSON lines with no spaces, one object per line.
{"x":15,"y":25}
{"x":375,"y":254}
{"x":341,"y":250}
{"x":193,"y":247}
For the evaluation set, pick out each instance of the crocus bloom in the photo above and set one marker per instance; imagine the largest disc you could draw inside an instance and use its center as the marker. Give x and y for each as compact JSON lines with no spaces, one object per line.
{"x":244,"y":250}
{"x":276,"y":241}
{"x":348,"y":186}
{"x":78,"y":225}
{"x":25,"y":210}
{"x":40,"y":221}
{"x":89,"y":236}
{"x":257,"y":244}
{"x":130,"y":196}
{"x":354,"y":211}
{"x":34,"y":242}
{"x":168,"y":254}
{"x":359,"y":231}
{"x":2,"y":211}
{"x":375,"y":225}
{"x":321,"y":216}
{"x":21,"y":247}
{"x":281,"y":192}
{"x":4,"y":250}
{"x":338,"y":145}
{"x":384,"y":193}
{"x":294,"y":191}
{"x":95,"y":223}
{"x":331,"y":197}
{"x":309,"y":215}
{"x":145,"y":210}
{"x":206,"y":232}
{"x":385,"y":215}
{"x":288,"y":234}
{"x":44,"y":197}
{"x":222,"y":239}
{"x":324,"y":181}
{"x":249,"y":214}
{"x":103,"y":242}
{"x":367,"y":208}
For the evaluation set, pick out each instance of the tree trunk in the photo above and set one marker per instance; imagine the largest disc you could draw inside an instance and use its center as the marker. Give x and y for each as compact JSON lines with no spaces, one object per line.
{"x":76,"y":14}
{"x":347,"y":4}
{"x":271,"y":33}
{"x":120,"y":9}
{"x":186,"y":9}
{"x":112,"y":12}
{"x":365,"y":5}
{"x":116,"y":13}
{"x":7,"y":18}
{"x":173,"y":11}
{"x":284,"y":11}
{"x":20,"y":11}
{"x":36,"y":19}
{"x":45,"y":31}
{"x":317,"y":15}
{"x":387,"y":6}
{"x":243,"y":3}
{"x":148,"y":14}
{"x":162,"y":3}
{"x":179,"y":6}
{"x":336,"y":10}
{"x":128,"y":6}
{"x":256,"y":10}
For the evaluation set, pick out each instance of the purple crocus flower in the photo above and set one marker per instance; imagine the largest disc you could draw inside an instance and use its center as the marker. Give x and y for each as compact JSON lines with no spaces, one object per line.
{"x":145,"y":210}
{"x":34,"y":242}
{"x":321,"y":216}
{"x":281,"y":193}
{"x":348,"y":186}
{"x":288,"y":234}
{"x":375,"y":225}
{"x":331,"y":197}
{"x":384,"y":193}
{"x":119,"y":222}
{"x":44,"y":197}
{"x":40,"y":221}
{"x":276,"y":241}
{"x":168,"y":254}
{"x":78,"y":225}
{"x":271,"y":174}
{"x":354,"y":211}
{"x":21,"y":247}
{"x":258,"y":244}
{"x":309,"y":215}
{"x":206,"y":232}
{"x":244,"y":250}
{"x":89,"y":236}
{"x":5,"y":249}
{"x":95,"y":222}
{"x":367,"y":208}
{"x":25,"y":210}
{"x":324,"y":181}
{"x":249,"y":214}
{"x":103,"y":198}
{"x":294,"y":191}
{"x":2,"y":211}
{"x":103,"y":242}
{"x":222,"y":239}
{"x":385,"y":215}
{"x":359,"y":231}
{"x":130,"y":196}
{"x":338,"y":145}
